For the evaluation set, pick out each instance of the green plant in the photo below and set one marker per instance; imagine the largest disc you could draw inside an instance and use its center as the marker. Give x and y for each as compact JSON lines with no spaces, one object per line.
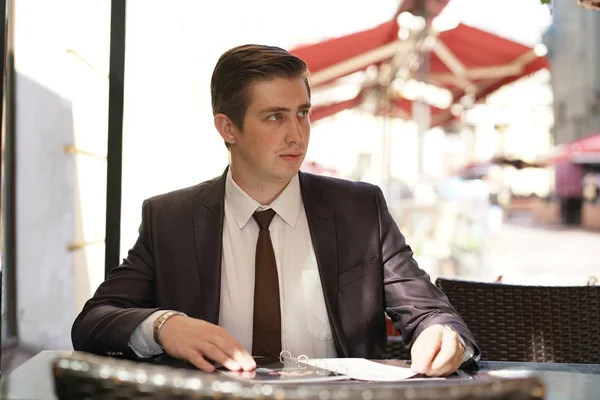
{"x":547,"y":3}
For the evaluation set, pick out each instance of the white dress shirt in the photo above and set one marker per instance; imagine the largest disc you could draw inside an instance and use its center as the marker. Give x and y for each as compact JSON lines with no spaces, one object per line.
{"x":305,"y":326}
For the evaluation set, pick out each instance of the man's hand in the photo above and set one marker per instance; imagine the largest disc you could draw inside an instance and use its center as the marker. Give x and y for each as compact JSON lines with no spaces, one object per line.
{"x":437,"y":351}
{"x":196,"y":341}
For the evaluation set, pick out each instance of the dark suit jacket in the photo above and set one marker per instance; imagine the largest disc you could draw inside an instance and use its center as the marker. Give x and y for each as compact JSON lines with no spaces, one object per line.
{"x":365,"y":265}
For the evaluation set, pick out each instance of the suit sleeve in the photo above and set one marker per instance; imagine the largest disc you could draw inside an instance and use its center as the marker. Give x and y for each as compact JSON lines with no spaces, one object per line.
{"x":122,"y":301}
{"x":413,"y":302}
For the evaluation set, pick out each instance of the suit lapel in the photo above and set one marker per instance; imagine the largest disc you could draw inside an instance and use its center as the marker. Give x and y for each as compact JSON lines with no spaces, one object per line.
{"x":321,"y":223}
{"x":208,"y":228}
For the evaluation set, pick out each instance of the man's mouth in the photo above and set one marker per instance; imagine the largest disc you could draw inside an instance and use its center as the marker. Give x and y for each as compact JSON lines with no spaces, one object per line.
{"x":291,"y":157}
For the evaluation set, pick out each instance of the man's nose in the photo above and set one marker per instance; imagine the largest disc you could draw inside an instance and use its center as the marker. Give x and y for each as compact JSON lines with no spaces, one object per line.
{"x":295,"y":132}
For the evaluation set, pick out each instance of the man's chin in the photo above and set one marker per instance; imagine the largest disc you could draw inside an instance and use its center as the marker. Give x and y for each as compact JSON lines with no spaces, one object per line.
{"x":287,"y":174}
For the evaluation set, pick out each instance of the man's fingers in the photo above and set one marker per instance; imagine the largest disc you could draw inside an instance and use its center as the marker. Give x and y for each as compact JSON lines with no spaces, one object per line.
{"x":234,"y":350}
{"x":212,"y":352}
{"x":199,"y":362}
{"x":447,"y":368}
{"x":447,"y":351}
{"x":449,"y":357}
{"x":244,"y":358}
{"x":424,"y":350}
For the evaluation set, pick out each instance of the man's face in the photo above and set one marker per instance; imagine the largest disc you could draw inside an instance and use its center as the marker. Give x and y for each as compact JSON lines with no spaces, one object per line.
{"x":276,"y":129}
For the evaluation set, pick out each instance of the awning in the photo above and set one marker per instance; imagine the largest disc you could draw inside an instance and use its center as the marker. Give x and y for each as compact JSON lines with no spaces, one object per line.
{"x":467,"y":56}
{"x":581,"y":151}
{"x":464,"y":60}
{"x":334,"y":58}
{"x":338,"y":57}
{"x":401,"y":108}
{"x":588,"y":144}
{"x":325,"y":111}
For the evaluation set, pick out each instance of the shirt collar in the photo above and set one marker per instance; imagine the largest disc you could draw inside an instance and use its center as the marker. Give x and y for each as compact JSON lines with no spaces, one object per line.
{"x":287,"y":205}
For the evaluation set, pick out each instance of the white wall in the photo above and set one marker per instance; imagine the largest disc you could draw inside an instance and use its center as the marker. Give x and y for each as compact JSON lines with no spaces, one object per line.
{"x":60,"y":101}
{"x":44,"y":216}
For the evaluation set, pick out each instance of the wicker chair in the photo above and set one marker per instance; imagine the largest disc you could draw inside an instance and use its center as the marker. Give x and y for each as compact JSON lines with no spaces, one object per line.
{"x":529,"y":323}
{"x":395,"y":350}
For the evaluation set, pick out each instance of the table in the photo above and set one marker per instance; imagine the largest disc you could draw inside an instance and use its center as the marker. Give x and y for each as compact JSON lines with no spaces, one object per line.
{"x":33,"y":379}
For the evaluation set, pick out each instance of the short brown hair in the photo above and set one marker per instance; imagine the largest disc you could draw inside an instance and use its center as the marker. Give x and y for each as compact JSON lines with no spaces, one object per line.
{"x":240,"y":67}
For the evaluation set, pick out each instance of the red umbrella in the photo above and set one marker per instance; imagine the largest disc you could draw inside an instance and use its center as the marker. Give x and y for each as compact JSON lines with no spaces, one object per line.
{"x":583,"y":150}
{"x":325,"y":111}
{"x":335,"y":58}
{"x":588,"y":144}
{"x":467,"y":56}
{"x":338,"y":57}
{"x":464,"y":61}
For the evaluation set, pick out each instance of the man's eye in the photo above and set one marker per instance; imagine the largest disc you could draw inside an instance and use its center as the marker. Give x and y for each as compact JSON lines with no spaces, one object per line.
{"x":274,"y":117}
{"x":303,"y":113}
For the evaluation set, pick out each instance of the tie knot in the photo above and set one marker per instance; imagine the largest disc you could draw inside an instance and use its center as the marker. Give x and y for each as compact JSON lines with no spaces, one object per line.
{"x":264,"y":218}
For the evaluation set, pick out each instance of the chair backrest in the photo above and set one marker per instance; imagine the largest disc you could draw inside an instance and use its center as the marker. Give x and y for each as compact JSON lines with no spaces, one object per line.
{"x":395,"y":350}
{"x":529,"y":323}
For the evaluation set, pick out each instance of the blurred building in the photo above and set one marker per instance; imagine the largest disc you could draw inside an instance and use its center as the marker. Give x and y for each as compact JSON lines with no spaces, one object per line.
{"x":574,"y":54}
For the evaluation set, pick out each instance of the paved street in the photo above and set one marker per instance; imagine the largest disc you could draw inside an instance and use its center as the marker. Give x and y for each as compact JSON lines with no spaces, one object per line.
{"x":525,"y":252}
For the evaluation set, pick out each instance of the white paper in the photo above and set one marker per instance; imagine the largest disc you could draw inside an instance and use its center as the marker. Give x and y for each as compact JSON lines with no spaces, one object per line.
{"x":363,"y":369}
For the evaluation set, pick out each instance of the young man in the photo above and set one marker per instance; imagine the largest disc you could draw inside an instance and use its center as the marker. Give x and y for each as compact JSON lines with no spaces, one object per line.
{"x":265,"y":257}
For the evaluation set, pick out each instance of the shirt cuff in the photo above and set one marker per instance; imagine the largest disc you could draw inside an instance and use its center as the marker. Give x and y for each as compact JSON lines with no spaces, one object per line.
{"x":469,"y":350}
{"x":142,"y":340}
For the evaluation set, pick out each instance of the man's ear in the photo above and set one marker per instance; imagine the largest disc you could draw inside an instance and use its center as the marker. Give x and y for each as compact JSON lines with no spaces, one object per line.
{"x":226,"y":128}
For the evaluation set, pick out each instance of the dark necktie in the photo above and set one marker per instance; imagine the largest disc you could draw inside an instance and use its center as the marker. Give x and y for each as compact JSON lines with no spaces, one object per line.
{"x":266,"y":332}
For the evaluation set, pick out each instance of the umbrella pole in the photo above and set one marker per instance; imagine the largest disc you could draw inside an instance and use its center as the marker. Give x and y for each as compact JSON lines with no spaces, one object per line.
{"x":422,"y":116}
{"x":421,"y":110}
